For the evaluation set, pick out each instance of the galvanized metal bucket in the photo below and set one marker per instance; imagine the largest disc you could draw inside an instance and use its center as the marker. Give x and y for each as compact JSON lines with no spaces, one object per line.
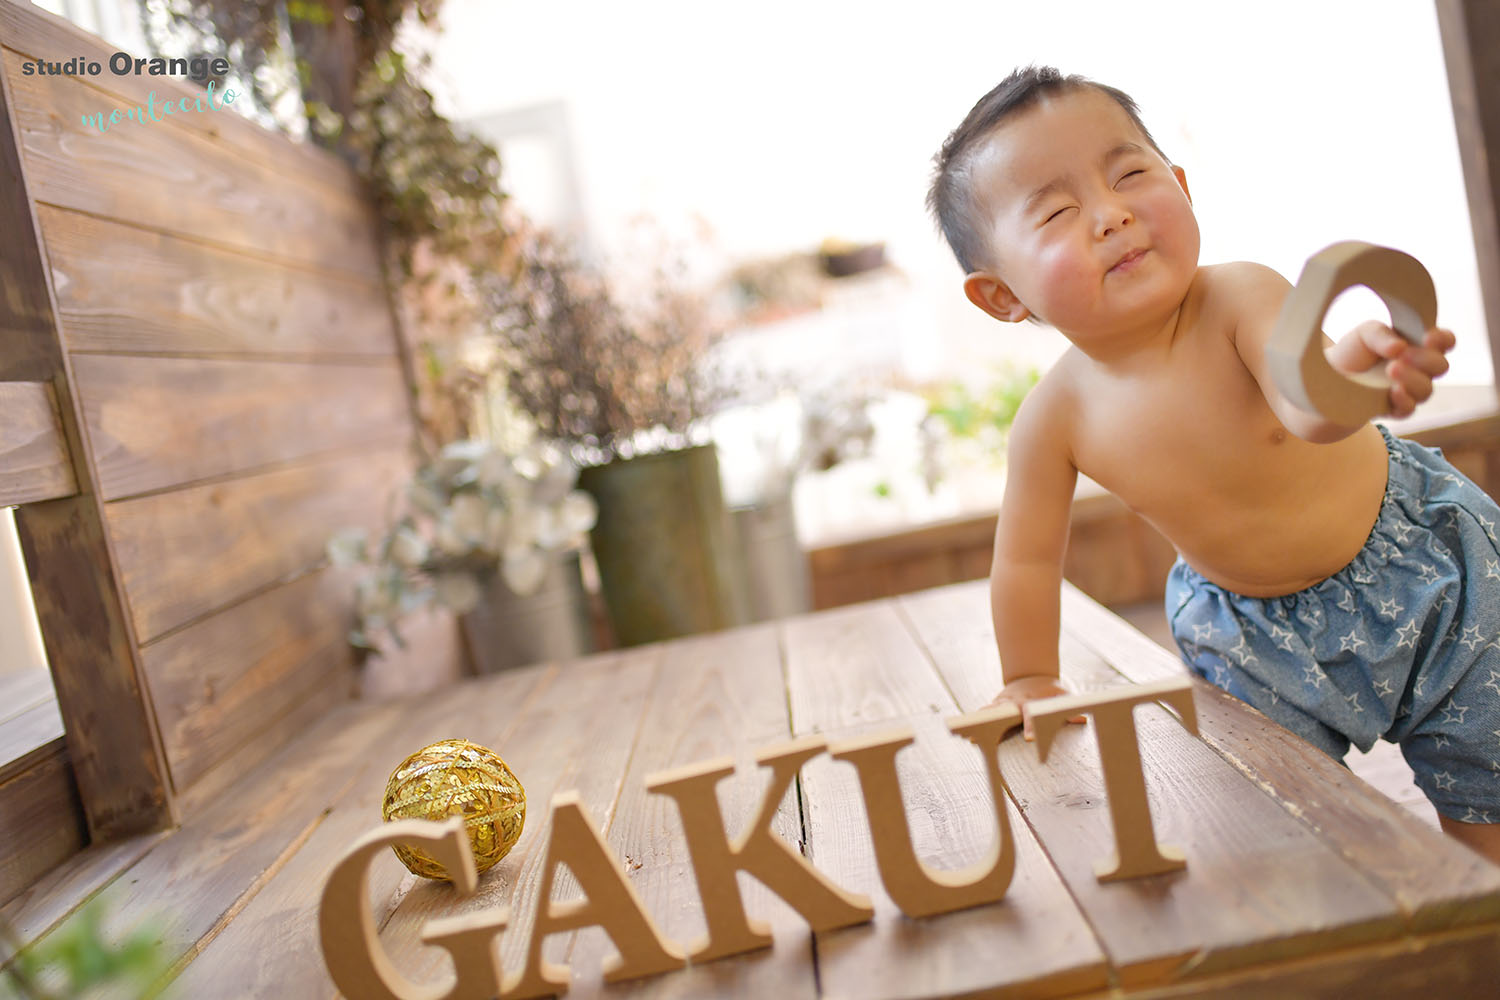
{"x":511,"y":630}
{"x":667,"y":555}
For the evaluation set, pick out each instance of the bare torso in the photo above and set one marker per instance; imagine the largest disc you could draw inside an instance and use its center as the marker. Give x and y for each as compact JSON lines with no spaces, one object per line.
{"x":1186,"y":439}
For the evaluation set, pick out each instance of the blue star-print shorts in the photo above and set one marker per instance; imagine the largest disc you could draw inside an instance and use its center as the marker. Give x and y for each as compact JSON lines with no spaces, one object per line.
{"x":1402,"y":644}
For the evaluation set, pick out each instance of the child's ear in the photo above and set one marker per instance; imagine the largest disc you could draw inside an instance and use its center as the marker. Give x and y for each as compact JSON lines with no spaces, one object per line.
{"x":1181,"y":176}
{"x":995,"y":297}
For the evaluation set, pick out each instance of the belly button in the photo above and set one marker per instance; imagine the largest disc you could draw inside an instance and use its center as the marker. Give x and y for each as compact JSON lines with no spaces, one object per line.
{"x":1278,"y":435}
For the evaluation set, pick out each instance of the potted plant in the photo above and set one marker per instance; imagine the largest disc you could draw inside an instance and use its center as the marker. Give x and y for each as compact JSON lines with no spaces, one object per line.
{"x":628,"y":385}
{"x":493,"y":536}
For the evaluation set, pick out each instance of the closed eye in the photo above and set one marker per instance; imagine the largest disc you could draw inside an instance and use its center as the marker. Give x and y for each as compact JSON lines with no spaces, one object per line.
{"x":1055,"y":214}
{"x":1130,"y":174}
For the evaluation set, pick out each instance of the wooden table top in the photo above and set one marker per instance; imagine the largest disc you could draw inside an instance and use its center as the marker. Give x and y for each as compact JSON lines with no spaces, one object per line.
{"x":1301,"y":879}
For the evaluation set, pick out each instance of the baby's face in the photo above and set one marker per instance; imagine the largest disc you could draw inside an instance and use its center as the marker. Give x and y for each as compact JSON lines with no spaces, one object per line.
{"x":1090,"y":228}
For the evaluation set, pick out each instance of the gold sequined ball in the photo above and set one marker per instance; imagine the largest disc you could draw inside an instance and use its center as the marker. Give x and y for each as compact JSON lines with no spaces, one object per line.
{"x":457,"y":778}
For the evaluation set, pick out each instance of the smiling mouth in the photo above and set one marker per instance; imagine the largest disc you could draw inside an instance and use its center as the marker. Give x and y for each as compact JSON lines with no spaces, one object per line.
{"x":1125,"y":262}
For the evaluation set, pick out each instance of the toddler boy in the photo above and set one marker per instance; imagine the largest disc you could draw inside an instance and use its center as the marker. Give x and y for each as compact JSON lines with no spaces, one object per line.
{"x":1343,"y":581}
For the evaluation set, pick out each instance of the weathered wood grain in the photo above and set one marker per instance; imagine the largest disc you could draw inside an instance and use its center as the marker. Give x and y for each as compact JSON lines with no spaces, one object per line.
{"x":41,"y":822}
{"x":719,"y":695}
{"x":1459,"y":964}
{"x":173,"y":175}
{"x":186,"y":553}
{"x":49,"y":900}
{"x":578,"y":733}
{"x":1259,"y":885}
{"x":1033,"y":943}
{"x":190,"y":884}
{"x":34,"y":461}
{"x":29,"y":351}
{"x":860,"y":669}
{"x":1436,"y":881}
{"x":857,"y":664}
{"x":113,"y":741}
{"x":222,"y":682}
{"x":188,"y":298}
{"x":281,"y":919}
{"x":156,"y":423}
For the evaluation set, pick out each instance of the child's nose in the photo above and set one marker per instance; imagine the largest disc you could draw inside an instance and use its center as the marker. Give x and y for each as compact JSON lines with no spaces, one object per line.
{"x":1112,"y":216}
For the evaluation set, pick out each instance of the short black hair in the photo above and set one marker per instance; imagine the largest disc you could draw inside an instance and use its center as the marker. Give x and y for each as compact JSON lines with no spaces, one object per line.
{"x":951,"y":197}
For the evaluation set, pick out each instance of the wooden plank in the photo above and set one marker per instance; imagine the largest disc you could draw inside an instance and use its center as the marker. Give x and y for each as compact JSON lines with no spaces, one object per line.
{"x":49,"y":900}
{"x":29,"y":730}
{"x":857,"y":664}
{"x":1470,"y":33}
{"x":38,"y":33}
{"x":718,"y":695}
{"x":112,"y":737}
{"x":1259,"y":885}
{"x":138,"y":173}
{"x":864,"y":662}
{"x":578,"y":733}
{"x":1436,"y":881}
{"x":192,"y":883}
{"x":1033,"y":943}
{"x":223,"y":681}
{"x":156,"y":423}
{"x":28,"y":344}
{"x":34,"y":461}
{"x":180,"y":297}
{"x":1459,"y":964}
{"x":281,"y":919}
{"x":41,"y":822}
{"x":185,"y":553}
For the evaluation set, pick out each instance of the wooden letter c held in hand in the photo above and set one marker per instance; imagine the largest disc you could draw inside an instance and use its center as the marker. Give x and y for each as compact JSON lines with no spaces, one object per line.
{"x":1295,"y":351}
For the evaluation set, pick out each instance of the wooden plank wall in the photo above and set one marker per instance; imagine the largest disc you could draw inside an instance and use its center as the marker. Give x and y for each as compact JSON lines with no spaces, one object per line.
{"x":234,"y":370}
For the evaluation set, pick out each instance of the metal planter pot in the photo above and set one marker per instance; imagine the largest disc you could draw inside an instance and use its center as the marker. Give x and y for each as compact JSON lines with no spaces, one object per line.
{"x":668,"y":561}
{"x":511,"y":630}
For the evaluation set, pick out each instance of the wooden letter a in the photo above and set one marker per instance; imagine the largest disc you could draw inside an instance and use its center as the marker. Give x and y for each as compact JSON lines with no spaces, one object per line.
{"x":610,"y":901}
{"x":758,"y":851}
{"x":921,"y":891}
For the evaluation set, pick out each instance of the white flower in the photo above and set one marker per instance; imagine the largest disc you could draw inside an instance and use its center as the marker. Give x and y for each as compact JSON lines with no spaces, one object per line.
{"x":408,"y":549}
{"x":550,"y":533}
{"x":578,"y":512}
{"x":469,"y":516}
{"x":523,"y":568}
{"x":523,"y":524}
{"x":449,"y":541}
{"x":457,"y":591}
{"x":494,"y":470}
{"x":496,"y":528}
{"x":373,"y":600}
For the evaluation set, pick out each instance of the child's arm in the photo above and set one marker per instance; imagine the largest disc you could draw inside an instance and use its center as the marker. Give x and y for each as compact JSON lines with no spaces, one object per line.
{"x":1256,"y":294}
{"x":1030,"y":541}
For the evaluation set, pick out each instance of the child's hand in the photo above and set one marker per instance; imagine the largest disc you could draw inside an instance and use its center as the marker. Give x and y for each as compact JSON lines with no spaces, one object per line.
{"x":1023,"y":690}
{"x":1410,"y":367}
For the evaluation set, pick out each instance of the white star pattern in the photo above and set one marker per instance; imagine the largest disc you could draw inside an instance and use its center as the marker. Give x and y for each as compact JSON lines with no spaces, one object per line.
{"x":1472,"y":643}
{"x":1476,"y":816}
{"x":1202,"y":632}
{"x":1283,"y":637}
{"x":1406,"y":635}
{"x":1241,"y":652}
{"x":1449,"y":477}
{"x":1403,"y":531}
{"x":1312,"y":675}
{"x":1489,"y":526}
{"x":1494,"y":681}
{"x":1390,"y":609}
{"x":1351,"y":643}
{"x":1444,"y":785}
{"x":1353,"y":699}
{"x":1428,"y":573}
{"x":1384,"y":688}
{"x":1347,"y":602}
{"x":1449,"y":716}
{"x":1440,"y":741}
{"x":1492,"y":569}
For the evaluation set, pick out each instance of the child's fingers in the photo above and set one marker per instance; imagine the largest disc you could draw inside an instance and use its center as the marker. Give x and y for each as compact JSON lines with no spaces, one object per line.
{"x":1440,"y":340}
{"x":1416,"y":382}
